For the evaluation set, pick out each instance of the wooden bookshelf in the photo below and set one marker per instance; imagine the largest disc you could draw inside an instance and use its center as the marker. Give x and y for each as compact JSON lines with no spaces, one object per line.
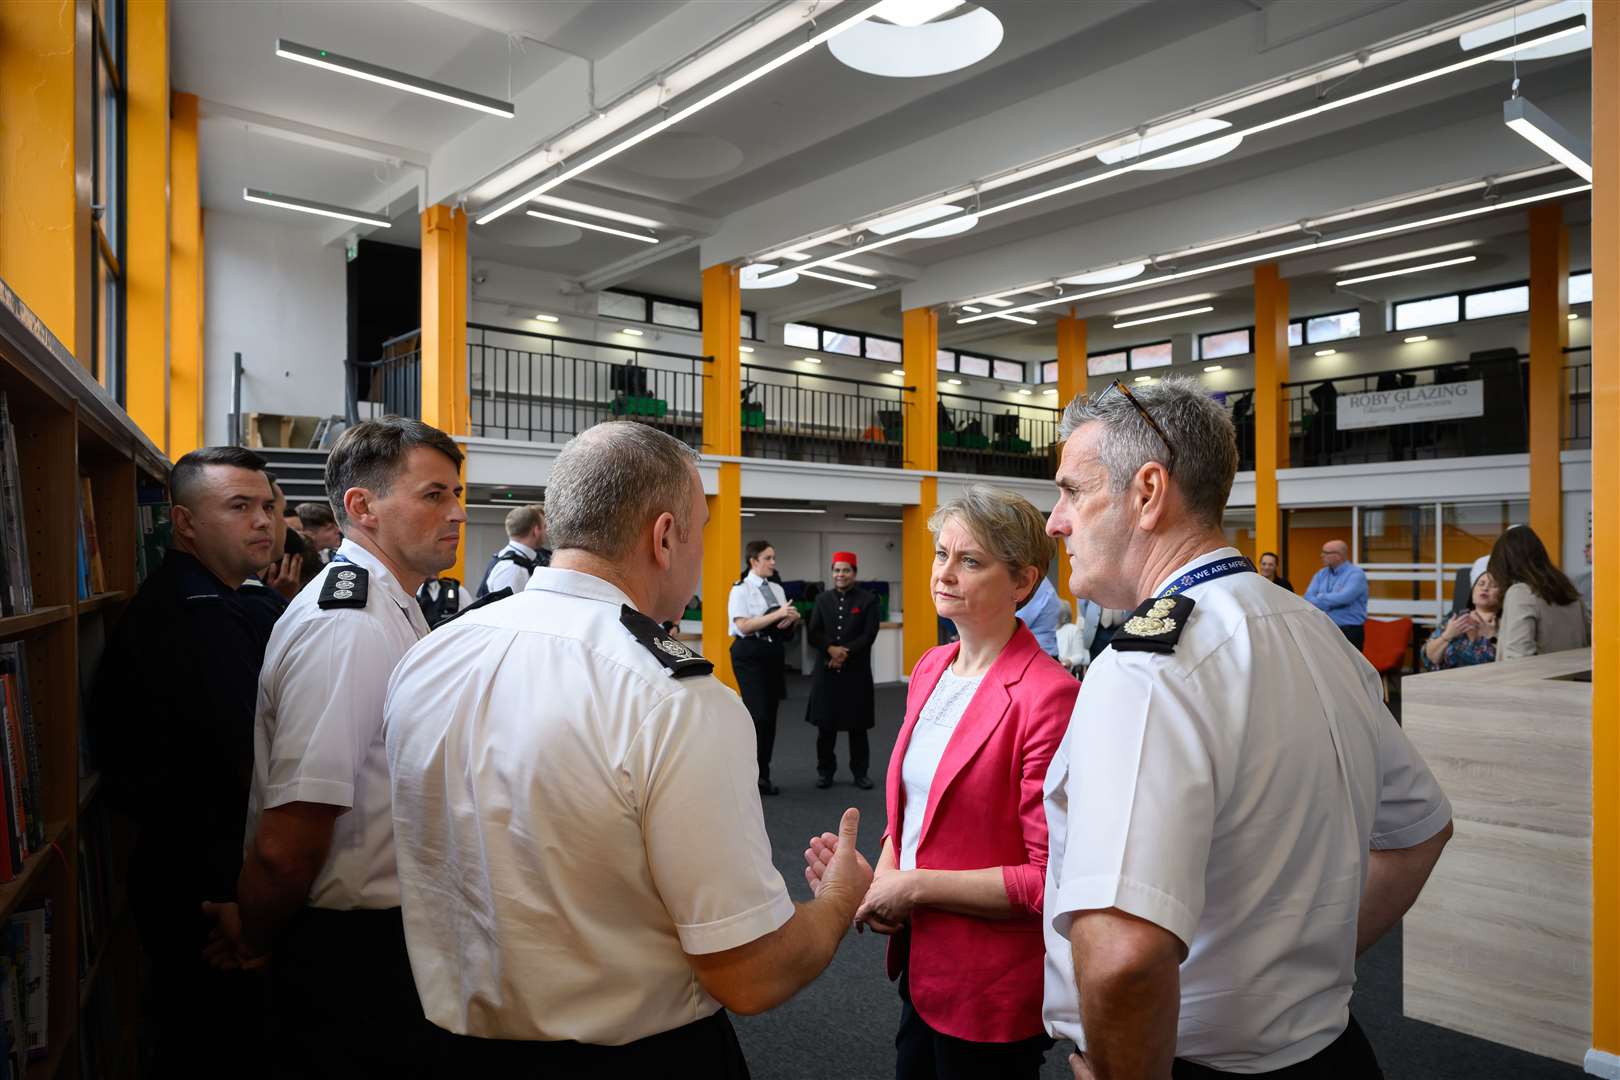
{"x":67,"y":427}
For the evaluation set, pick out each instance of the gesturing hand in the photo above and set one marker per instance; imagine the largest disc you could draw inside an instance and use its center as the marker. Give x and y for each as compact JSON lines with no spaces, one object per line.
{"x":284,"y":574}
{"x":834,"y":864}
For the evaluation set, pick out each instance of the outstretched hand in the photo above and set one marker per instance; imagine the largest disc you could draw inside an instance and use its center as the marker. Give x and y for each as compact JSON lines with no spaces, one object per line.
{"x":835,"y":864}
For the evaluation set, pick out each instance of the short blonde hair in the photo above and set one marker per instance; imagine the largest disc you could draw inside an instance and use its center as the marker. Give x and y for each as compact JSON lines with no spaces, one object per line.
{"x":1005,"y":523}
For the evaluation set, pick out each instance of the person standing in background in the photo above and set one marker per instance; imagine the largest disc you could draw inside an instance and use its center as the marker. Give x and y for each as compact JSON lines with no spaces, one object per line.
{"x":1270,"y":569}
{"x":322,"y":528}
{"x":1040,"y":614}
{"x":439,"y":598}
{"x":1339,"y":590}
{"x":510,"y":567}
{"x":842,"y":629}
{"x":761,"y":621}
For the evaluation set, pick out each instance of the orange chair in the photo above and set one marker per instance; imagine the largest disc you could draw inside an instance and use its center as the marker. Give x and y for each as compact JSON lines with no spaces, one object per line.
{"x":1385,"y":644}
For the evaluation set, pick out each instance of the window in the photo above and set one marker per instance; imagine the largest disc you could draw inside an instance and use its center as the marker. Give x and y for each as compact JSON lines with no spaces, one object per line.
{"x":1580,"y":288}
{"x":618,"y":305}
{"x":973,"y":365}
{"x":836,"y":341}
{"x":801,"y":336}
{"x":1334,"y":327}
{"x":107,"y":182}
{"x":1508,"y":301}
{"x":1049,"y":371}
{"x":885,"y":349}
{"x":745,"y":327}
{"x":1225,"y":343}
{"x":1430,"y":312}
{"x":945,"y":361}
{"x":682,"y":316}
{"x":1296,"y":334}
{"x":1007,"y":370}
{"x":1107,"y":363}
{"x":1150,"y":356}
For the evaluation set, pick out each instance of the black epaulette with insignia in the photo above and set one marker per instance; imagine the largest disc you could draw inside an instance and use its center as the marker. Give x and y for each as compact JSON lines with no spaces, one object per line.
{"x":345,"y":587}
{"x":681,"y":660}
{"x":1156,"y":626}
{"x":487,"y":598}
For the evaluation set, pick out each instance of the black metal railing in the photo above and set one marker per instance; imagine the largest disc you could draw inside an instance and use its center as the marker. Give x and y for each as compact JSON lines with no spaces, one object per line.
{"x":393,"y":381}
{"x":996,"y":438}
{"x":797,"y":416}
{"x":1578,"y":398}
{"x":544,"y":388}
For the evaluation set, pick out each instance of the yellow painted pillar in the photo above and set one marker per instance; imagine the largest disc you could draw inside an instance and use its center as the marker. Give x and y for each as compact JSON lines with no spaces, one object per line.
{"x":146,"y":224}
{"x":1071,"y":361}
{"x":1270,"y":415}
{"x":919,"y":627}
{"x":1606,"y":528}
{"x":1549,"y":333}
{"x":722,"y":436}
{"x":444,"y":333}
{"x":185,"y":281}
{"x":45,"y":163}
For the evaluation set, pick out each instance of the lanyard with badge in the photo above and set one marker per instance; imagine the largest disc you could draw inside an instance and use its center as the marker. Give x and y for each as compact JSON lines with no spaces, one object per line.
{"x":1155,"y":624}
{"x":1208,"y":572}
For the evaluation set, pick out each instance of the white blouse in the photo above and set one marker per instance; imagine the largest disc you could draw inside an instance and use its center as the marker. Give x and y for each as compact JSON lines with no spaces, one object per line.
{"x":940,"y":714}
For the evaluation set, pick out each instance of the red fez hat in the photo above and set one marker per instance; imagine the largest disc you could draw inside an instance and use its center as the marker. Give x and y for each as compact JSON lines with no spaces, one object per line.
{"x":845,"y":556}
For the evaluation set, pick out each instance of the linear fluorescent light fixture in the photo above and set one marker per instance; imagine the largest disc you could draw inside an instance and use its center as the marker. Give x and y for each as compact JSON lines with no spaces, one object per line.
{"x":592,"y":226}
{"x":1167,"y":315}
{"x":838,"y":280}
{"x":1406,"y":256}
{"x":398,"y":80}
{"x":598,"y":211}
{"x":1403,"y":271}
{"x":784,"y":510}
{"x":1556,"y":31}
{"x":309,"y":206}
{"x":1548,"y":135}
{"x":589,"y":160}
{"x":1159,"y":305}
{"x":874,"y":520}
{"x":1019,"y":319}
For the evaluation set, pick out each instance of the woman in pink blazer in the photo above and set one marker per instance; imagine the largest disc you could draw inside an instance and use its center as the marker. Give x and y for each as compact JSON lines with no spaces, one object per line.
{"x":961,"y":875}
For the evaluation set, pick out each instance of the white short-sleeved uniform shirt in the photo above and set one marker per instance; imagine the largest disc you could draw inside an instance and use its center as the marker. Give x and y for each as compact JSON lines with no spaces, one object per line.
{"x":747,"y":602}
{"x":506,"y":574}
{"x":571,"y":821}
{"x":1229,"y":792}
{"x":317,"y":733}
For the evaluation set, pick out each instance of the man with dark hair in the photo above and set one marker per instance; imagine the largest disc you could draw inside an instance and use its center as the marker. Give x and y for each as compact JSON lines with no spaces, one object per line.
{"x":319,"y":886}
{"x":321,"y":526}
{"x":171,"y":723}
{"x":1271,"y":569}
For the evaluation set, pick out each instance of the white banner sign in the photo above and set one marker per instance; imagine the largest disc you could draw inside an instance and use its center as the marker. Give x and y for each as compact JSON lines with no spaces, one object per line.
{"x":1415,"y":404}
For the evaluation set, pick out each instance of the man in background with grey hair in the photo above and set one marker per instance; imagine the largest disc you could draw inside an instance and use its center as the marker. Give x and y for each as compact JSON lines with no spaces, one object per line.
{"x":586,"y":877}
{"x":1234,"y":815}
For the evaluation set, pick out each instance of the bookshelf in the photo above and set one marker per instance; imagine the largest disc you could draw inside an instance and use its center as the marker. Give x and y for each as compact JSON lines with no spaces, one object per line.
{"x":67,"y":428}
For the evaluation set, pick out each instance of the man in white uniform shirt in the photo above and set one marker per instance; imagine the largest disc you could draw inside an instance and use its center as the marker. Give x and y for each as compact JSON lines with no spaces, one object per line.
{"x":586,"y":878}
{"x":510,"y":567}
{"x":318,"y":888}
{"x":1234,"y":815}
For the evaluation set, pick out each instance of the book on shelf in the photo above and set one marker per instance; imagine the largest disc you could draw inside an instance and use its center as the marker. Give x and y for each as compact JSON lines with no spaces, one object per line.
{"x":17,"y":598}
{"x":152,"y":528}
{"x":25,"y":984}
{"x":23,"y":827}
{"x":87,"y":519}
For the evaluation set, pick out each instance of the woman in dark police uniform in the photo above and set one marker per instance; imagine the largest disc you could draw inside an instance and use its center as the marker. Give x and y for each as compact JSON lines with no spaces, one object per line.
{"x":761,"y":622}
{"x":843,"y":625}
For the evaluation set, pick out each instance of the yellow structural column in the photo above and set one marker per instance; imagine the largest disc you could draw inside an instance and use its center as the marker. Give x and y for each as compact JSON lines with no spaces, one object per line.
{"x":185,"y":281}
{"x":45,"y":163}
{"x":1270,"y":414}
{"x":1549,"y":333}
{"x":444,"y":332}
{"x":1071,"y":383}
{"x":1606,"y":528}
{"x":146,"y":223}
{"x":919,"y":628}
{"x":722,"y":436}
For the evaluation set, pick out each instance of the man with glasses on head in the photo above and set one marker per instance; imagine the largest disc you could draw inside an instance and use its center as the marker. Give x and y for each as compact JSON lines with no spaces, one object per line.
{"x":1234,"y":816}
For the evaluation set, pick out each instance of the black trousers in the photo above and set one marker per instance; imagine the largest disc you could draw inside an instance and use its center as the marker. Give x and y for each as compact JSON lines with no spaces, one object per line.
{"x":706,"y":1048}
{"x":757,"y":663}
{"x":1355,"y":635}
{"x":860,"y":752}
{"x":921,"y":1053}
{"x":344,"y":1004}
{"x":1349,"y":1057}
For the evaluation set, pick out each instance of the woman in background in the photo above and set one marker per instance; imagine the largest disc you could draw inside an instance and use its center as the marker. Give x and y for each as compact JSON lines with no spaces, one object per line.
{"x":1541,"y":608}
{"x":1468,"y":637}
{"x":761,"y":621}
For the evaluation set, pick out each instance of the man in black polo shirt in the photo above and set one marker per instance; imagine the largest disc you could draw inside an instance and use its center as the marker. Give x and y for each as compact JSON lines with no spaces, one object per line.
{"x":171,"y":719}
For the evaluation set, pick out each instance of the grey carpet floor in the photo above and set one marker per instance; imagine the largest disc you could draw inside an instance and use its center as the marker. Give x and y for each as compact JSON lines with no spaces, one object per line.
{"x":842,"y":1025}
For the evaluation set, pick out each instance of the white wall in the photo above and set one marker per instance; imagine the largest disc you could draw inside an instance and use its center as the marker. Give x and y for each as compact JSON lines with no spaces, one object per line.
{"x":275,"y":294}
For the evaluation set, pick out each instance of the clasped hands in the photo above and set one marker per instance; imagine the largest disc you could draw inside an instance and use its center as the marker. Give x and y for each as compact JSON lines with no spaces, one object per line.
{"x":886,"y":908}
{"x":836,"y":655}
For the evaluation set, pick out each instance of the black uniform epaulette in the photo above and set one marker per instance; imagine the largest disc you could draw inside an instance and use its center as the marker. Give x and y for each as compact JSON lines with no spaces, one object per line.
{"x":487,"y":598}
{"x":345,"y":586}
{"x":681,"y":661}
{"x":1156,"y":626}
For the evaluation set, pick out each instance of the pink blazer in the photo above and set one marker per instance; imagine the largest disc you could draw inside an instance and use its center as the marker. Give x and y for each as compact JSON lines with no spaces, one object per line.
{"x":973,"y":978}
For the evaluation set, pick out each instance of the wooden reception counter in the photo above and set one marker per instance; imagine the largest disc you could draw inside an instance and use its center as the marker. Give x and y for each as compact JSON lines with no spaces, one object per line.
{"x":1500,"y":943}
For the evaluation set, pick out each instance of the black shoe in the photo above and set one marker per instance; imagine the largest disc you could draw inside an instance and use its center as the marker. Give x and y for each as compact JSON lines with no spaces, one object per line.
{"x":768,"y":788}
{"x":864,"y":783}
{"x":824,"y":782}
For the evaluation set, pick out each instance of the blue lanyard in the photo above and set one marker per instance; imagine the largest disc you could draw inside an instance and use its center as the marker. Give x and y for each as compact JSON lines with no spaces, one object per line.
{"x":1208,"y":572}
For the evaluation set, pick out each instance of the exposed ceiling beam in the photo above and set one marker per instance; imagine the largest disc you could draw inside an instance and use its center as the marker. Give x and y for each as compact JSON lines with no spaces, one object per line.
{"x":804,"y":308}
{"x":624,"y":269}
{"x":278,"y":127}
{"x":406,"y":192}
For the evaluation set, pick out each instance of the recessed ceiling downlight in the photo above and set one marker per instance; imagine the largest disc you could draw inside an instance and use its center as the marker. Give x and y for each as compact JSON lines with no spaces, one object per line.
{"x":910,"y":52}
